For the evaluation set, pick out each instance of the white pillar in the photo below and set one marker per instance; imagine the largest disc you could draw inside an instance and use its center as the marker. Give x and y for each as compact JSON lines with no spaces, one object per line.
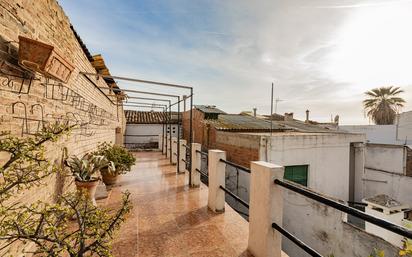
{"x":168,"y":147}
{"x":160,"y":142}
{"x":265,"y":208}
{"x":216,"y":198}
{"x":182,"y":164}
{"x":164,"y":150}
{"x":196,"y":164}
{"x":174,"y":150}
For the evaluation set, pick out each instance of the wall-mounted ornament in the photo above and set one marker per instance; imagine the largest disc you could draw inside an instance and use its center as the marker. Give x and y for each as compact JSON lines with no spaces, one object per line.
{"x":43,"y":58}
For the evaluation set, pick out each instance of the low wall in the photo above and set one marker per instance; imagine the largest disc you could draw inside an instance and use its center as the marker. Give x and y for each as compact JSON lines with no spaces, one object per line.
{"x":323,"y":228}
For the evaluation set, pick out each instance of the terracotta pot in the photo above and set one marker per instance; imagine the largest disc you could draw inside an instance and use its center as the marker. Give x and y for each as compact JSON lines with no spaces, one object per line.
{"x":109,"y":179}
{"x":43,"y":58}
{"x":89,"y":187}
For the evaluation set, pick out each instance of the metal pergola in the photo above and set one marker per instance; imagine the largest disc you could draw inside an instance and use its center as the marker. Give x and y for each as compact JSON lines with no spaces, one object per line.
{"x":140,"y":105}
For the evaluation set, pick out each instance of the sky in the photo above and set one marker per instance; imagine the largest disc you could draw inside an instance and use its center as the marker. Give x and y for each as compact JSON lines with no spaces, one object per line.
{"x":321,"y":55}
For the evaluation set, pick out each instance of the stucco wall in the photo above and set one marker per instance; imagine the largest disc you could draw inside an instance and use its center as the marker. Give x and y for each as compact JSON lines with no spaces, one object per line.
{"x":137,"y":134}
{"x":396,"y":186}
{"x":405,"y":127}
{"x":391,"y":158}
{"x":326,"y":154}
{"x":377,"y":134}
{"x":323,"y":228}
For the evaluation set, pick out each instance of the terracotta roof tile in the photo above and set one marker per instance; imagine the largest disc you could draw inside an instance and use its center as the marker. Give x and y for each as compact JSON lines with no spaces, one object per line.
{"x":139,"y":117}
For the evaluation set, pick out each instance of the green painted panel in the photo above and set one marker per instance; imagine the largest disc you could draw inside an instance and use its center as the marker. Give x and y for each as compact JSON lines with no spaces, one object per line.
{"x":297,"y":174}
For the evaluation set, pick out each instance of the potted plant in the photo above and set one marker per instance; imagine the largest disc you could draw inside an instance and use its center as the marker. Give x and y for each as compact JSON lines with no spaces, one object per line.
{"x":85,"y":169}
{"x":119,"y":156}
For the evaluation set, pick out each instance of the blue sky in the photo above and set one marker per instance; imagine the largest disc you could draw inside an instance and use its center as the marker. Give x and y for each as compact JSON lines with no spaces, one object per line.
{"x":321,"y":56}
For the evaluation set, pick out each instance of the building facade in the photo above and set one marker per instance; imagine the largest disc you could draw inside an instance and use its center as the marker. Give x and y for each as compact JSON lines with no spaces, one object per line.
{"x":143,"y":128}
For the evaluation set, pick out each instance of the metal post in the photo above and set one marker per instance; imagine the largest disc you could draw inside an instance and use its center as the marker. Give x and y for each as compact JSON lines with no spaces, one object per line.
{"x":190,"y":136}
{"x":178,"y":134}
{"x":163,"y":130}
{"x":170,"y":132}
{"x":271,"y":112}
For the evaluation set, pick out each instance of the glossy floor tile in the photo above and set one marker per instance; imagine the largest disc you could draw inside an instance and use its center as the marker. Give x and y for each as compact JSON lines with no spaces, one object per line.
{"x":171,"y":219}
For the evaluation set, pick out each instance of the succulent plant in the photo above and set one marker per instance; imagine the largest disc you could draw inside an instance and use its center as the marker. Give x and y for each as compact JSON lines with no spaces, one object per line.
{"x":84,"y":168}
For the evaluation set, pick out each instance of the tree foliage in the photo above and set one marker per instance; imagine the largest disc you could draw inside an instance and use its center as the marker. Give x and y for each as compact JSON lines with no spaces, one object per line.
{"x":383,"y":104}
{"x":72,"y":226}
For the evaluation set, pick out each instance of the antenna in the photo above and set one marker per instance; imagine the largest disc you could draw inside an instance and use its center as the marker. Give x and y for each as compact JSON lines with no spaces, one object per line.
{"x":276,"y":103}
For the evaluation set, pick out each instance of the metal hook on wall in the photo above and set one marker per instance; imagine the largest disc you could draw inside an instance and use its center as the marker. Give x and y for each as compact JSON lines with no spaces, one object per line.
{"x":40,"y":123}
{"x":24,"y":126}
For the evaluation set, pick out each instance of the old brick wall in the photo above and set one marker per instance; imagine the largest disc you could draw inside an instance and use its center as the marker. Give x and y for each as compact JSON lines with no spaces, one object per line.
{"x":198,"y":126}
{"x":44,"y":20}
{"x":408,"y":162}
{"x":240,"y":148}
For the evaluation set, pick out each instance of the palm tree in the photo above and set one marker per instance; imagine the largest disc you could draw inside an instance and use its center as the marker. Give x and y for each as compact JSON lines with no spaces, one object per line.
{"x":383,"y":104}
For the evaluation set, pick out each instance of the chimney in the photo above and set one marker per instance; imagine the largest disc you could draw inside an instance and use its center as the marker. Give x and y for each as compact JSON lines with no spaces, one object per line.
{"x":288,"y":116}
{"x":307,"y":116}
{"x":254,"y":112}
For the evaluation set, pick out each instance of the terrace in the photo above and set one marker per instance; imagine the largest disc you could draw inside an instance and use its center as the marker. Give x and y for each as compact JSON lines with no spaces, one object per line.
{"x":171,"y":219}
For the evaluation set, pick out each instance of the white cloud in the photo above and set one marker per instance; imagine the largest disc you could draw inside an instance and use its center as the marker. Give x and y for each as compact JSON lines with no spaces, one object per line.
{"x":231,"y":51}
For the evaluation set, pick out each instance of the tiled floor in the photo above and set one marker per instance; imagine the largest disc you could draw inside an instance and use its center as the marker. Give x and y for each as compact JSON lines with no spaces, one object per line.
{"x":171,"y":219}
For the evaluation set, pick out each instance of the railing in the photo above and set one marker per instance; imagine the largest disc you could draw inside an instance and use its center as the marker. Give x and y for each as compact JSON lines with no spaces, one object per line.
{"x":339,"y":206}
{"x":232,"y":185}
{"x":236,"y":165}
{"x":201,"y":153}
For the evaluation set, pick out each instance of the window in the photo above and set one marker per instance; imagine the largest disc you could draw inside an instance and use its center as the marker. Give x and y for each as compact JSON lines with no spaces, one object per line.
{"x":297,"y":174}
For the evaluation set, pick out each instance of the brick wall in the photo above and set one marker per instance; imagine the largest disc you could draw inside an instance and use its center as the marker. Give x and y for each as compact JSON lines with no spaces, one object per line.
{"x":44,"y":20}
{"x":198,"y":126}
{"x":240,"y":148}
{"x":409,"y":162}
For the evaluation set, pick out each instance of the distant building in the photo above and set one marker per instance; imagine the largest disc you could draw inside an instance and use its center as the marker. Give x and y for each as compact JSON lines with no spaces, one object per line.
{"x":315,"y":156}
{"x":399,"y":133}
{"x":388,"y":159}
{"x":143,"y":128}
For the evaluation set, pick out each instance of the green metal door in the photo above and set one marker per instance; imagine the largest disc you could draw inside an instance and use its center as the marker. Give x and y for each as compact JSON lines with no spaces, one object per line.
{"x":297,"y":174}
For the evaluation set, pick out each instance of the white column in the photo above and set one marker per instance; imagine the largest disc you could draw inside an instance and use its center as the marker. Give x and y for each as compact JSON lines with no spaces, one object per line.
{"x":265,"y":208}
{"x":216,"y":198}
{"x":168,"y":147}
{"x":196,"y":164}
{"x":160,"y":142}
{"x":182,"y":164}
{"x":174,"y":150}
{"x":165,"y":144}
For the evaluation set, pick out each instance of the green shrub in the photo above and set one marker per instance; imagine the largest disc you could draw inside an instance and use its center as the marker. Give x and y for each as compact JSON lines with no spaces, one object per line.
{"x":120,"y":156}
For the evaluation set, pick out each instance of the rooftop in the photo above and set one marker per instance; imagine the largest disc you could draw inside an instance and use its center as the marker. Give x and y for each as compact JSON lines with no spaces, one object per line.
{"x":151,"y":117}
{"x":209,"y":109}
{"x":384,"y":201}
{"x":169,"y":219}
{"x":237,"y":122}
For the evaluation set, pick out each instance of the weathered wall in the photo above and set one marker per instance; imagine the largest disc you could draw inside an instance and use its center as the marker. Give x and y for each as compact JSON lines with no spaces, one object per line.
{"x":391,"y":158}
{"x":141,"y":134}
{"x":240,"y":148}
{"x":385,"y":172}
{"x":323,"y":228}
{"x":45,"y":20}
{"x":197,"y":126}
{"x":394,"y":185}
{"x":408,"y":171}
{"x":326,"y":154}
{"x":377,"y":134}
{"x":405,"y":127}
